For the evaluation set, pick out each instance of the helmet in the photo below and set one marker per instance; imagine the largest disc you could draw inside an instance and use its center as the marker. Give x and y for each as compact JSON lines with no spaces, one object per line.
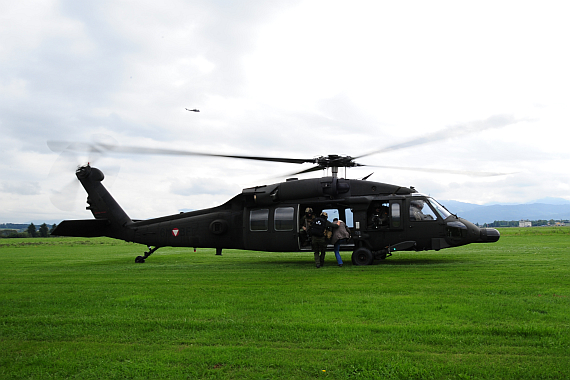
{"x":325,"y":214}
{"x":308,"y":210}
{"x":418,"y":203}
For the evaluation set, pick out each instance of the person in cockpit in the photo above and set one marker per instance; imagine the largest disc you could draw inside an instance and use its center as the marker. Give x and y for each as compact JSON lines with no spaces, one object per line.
{"x":416,"y":207}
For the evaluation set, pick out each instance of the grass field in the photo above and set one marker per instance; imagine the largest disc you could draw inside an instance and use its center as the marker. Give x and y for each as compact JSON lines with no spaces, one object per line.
{"x":81,"y":308}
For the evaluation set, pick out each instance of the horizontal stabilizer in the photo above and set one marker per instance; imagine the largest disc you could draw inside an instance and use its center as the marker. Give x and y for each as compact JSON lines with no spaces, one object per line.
{"x":82,"y":228}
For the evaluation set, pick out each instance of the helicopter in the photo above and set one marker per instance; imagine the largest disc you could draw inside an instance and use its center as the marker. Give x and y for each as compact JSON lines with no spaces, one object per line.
{"x":383,"y":218}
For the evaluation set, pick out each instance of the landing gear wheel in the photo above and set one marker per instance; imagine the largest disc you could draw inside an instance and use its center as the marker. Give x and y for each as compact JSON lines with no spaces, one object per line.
{"x":362,"y":256}
{"x":141,"y":259}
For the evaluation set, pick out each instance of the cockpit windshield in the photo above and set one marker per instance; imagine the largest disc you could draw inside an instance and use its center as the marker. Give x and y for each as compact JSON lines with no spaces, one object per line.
{"x":440,"y":209}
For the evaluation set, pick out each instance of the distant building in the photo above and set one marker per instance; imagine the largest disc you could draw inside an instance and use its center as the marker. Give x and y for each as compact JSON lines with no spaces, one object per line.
{"x":525,"y":223}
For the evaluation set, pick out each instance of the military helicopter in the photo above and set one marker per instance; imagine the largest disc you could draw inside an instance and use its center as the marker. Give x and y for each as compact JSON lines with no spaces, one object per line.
{"x":383,"y":218}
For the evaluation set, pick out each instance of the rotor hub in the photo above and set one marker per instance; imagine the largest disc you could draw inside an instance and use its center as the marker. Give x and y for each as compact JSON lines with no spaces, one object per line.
{"x":335,"y":161}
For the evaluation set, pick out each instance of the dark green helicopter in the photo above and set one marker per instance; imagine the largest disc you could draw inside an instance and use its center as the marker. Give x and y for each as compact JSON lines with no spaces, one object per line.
{"x":383,"y":218}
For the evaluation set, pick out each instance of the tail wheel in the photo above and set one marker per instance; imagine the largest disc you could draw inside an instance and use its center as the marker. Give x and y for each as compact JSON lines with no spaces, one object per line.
{"x":362,"y":256}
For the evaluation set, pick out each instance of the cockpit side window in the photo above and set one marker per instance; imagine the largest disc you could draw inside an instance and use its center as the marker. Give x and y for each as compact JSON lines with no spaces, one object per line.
{"x":420,"y":211}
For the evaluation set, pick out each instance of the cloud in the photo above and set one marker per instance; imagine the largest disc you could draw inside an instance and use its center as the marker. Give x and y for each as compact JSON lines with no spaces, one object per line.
{"x":21,"y":188}
{"x":289,"y":79}
{"x":200,"y":186}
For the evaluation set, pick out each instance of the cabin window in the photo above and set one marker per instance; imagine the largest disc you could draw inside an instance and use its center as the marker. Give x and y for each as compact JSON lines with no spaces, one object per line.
{"x":338,"y":213}
{"x":259,"y":220}
{"x":284,"y":217}
{"x":395,"y":215}
{"x":332,"y":213}
{"x":378,"y":215}
{"x":349,"y":217}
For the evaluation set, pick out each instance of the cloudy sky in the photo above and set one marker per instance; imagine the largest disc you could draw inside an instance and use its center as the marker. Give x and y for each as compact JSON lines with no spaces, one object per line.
{"x":281,"y":78}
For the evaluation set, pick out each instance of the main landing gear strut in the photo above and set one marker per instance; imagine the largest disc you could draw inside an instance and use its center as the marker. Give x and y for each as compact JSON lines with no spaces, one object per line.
{"x":141,"y":259}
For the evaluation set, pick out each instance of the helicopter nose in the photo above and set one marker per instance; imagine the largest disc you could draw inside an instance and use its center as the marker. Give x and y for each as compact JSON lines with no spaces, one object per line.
{"x":489,"y":235}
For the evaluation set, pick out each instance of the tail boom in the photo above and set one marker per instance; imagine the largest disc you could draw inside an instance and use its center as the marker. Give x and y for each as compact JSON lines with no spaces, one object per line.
{"x":110,"y":219}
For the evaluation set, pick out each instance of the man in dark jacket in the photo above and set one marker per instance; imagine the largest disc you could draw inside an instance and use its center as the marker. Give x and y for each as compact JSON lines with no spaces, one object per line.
{"x":318,"y":229}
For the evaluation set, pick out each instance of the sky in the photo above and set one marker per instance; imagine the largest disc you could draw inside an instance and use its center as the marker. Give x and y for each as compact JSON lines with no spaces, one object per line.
{"x":294,"y":79}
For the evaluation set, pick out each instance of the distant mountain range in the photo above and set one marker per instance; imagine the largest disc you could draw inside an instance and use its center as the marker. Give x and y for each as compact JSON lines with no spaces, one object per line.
{"x":541,"y":209}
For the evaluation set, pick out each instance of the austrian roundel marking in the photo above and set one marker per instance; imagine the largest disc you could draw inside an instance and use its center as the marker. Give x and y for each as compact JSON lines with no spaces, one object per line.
{"x":175,"y":232}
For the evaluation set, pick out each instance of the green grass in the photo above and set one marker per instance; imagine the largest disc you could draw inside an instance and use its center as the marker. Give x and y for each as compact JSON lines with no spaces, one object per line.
{"x":81,"y":308}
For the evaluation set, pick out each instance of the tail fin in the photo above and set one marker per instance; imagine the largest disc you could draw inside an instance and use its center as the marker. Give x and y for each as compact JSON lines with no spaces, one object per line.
{"x":110,"y":219}
{"x":101,"y":203}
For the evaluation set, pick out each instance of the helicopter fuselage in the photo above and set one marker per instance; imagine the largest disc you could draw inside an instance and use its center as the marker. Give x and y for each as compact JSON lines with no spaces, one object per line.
{"x":383,"y":219}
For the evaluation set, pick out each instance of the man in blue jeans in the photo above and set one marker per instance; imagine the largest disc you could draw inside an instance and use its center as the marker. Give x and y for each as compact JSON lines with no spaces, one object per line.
{"x":340,"y":235}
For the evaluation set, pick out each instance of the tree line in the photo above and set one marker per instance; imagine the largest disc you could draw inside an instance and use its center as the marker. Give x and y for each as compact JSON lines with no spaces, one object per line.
{"x":31,"y":231}
{"x":44,"y":230}
{"x":535,"y":223}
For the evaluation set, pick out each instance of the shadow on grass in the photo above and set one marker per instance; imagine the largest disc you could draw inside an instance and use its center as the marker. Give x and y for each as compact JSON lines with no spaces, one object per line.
{"x":348,"y":263}
{"x":417,"y":261}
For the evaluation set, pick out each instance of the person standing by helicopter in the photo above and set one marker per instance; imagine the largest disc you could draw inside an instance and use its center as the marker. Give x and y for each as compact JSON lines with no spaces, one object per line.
{"x":306,"y":221}
{"x":339,"y":236}
{"x":318,"y":231}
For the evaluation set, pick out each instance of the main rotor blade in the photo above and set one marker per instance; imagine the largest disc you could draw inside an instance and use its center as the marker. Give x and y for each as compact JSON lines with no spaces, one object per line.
{"x":84,"y":147}
{"x":66,"y":198}
{"x":497,"y":121}
{"x":449,"y":171}
{"x":289,"y":175}
{"x":313,"y":169}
